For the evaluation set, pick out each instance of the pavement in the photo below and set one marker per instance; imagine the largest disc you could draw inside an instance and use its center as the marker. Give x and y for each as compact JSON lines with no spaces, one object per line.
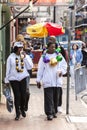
{"x":36,"y":119}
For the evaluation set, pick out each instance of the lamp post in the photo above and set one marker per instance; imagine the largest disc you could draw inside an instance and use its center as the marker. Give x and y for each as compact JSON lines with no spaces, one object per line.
{"x":54,"y":14}
{"x":69,"y":26}
{"x":66,"y":16}
{"x":72,"y":19}
{"x":68,"y":72}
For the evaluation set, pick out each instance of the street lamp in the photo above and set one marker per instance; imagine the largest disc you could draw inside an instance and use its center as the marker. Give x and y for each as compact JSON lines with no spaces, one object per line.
{"x":66,"y":17}
{"x":69,"y":25}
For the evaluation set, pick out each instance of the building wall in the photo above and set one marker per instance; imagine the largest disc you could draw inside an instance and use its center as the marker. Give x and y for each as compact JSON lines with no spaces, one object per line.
{"x":0,"y":54}
{"x":59,"y":12}
{"x":79,"y":3}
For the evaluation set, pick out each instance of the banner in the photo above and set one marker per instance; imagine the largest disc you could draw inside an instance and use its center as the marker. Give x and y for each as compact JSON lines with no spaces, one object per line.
{"x":46,"y":2}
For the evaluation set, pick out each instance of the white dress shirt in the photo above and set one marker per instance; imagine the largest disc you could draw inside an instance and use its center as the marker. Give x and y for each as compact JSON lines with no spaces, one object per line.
{"x":49,"y":74}
{"x":11,"y":72}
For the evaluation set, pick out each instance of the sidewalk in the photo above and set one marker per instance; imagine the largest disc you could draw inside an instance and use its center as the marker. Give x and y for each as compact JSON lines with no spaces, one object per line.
{"x":77,"y":108}
{"x":36,"y":119}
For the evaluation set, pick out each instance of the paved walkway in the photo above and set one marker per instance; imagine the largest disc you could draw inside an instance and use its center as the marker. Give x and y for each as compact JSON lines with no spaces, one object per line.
{"x":36,"y":119}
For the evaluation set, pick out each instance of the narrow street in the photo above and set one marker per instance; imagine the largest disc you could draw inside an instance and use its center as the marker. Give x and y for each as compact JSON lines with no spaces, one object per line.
{"x":26,"y":26}
{"x":36,"y":119}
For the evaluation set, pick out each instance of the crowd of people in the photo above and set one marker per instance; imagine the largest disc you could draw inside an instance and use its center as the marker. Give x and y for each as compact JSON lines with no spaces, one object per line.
{"x":52,"y":66}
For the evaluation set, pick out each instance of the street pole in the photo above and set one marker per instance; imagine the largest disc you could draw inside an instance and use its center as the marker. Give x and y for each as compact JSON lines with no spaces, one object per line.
{"x":68,"y":72}
{"x":54,"y":14}
{"x":67,"y":24}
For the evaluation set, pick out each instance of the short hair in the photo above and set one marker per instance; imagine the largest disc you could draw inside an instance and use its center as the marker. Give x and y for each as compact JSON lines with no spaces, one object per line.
{"x":15,"y":49}
{"x":52,"y":38}
{"x":50,"y":43}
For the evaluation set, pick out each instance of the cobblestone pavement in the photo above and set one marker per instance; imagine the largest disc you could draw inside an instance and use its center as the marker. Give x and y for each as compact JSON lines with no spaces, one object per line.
{"x":36,"y":119}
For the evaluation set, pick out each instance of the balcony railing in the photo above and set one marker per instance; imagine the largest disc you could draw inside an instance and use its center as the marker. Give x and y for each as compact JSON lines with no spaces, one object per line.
{"x":81,"y":22}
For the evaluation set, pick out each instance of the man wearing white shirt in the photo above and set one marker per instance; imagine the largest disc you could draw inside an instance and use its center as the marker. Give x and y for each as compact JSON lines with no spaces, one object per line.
{"x":50,"y":72}
{"x":16,"y":74}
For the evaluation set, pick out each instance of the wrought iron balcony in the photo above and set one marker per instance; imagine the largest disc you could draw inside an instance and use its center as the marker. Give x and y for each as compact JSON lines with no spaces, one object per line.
{"x":82,"y":22}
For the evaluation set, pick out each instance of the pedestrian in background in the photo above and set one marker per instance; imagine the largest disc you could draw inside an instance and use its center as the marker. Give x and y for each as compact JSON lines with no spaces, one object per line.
{"x":84,"y":52}
{"x":50,"y":72}
{"x":16,"y":75}
{"x":76,"y":58}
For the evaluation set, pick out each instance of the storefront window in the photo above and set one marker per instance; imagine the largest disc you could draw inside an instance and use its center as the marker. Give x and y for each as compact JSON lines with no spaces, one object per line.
{"x":22,"y":24}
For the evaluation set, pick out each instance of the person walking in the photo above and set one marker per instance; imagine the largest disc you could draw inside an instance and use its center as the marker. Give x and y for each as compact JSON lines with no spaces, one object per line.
{"x":50,"y":71}
{"x":84,"y":52}
{"x":75,"y":61}
{"x":16,"y":74}
{"x":64,"y":54}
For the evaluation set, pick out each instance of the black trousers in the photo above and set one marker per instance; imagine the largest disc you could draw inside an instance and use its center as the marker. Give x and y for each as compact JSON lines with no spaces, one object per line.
{"x":60,"y":92}
{"x":19,"y":91}
{"x":50,"y":100}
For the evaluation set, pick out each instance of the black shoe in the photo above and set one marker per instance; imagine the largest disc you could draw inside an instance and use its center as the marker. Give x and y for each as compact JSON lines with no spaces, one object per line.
{"x":23,"y":113}
{"x":54,"y":116}
{"x":26,"y":108}
{"x":17,"y":117}
{"x":49,"y":117}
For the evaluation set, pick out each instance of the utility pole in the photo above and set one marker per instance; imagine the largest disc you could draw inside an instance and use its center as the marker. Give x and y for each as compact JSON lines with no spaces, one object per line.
{"x":54,"y":14}
{"x":68,"y":71}
{"x":72,"y":20}
{"x":69,"y":25}
{"x":66,"y":17}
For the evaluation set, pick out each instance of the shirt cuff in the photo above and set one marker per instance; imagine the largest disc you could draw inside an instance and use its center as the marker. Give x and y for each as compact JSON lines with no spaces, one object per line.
{"x":6,"y":81}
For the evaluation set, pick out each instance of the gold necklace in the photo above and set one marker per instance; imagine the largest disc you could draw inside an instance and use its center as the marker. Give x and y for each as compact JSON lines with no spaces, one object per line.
{"x":21,"y":63}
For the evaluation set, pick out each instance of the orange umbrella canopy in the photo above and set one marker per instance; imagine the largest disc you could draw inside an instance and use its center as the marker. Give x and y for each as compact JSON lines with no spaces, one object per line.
{"x":45,"y":29}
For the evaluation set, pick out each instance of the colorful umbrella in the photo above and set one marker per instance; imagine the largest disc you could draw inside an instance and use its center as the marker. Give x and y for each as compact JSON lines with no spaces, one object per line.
{"x":45,"y":29}
{"x":54,"y":29}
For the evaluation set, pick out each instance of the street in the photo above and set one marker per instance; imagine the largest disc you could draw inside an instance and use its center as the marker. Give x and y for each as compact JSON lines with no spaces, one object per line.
{"x":48,"y":27}
{"x":36,"y":119}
